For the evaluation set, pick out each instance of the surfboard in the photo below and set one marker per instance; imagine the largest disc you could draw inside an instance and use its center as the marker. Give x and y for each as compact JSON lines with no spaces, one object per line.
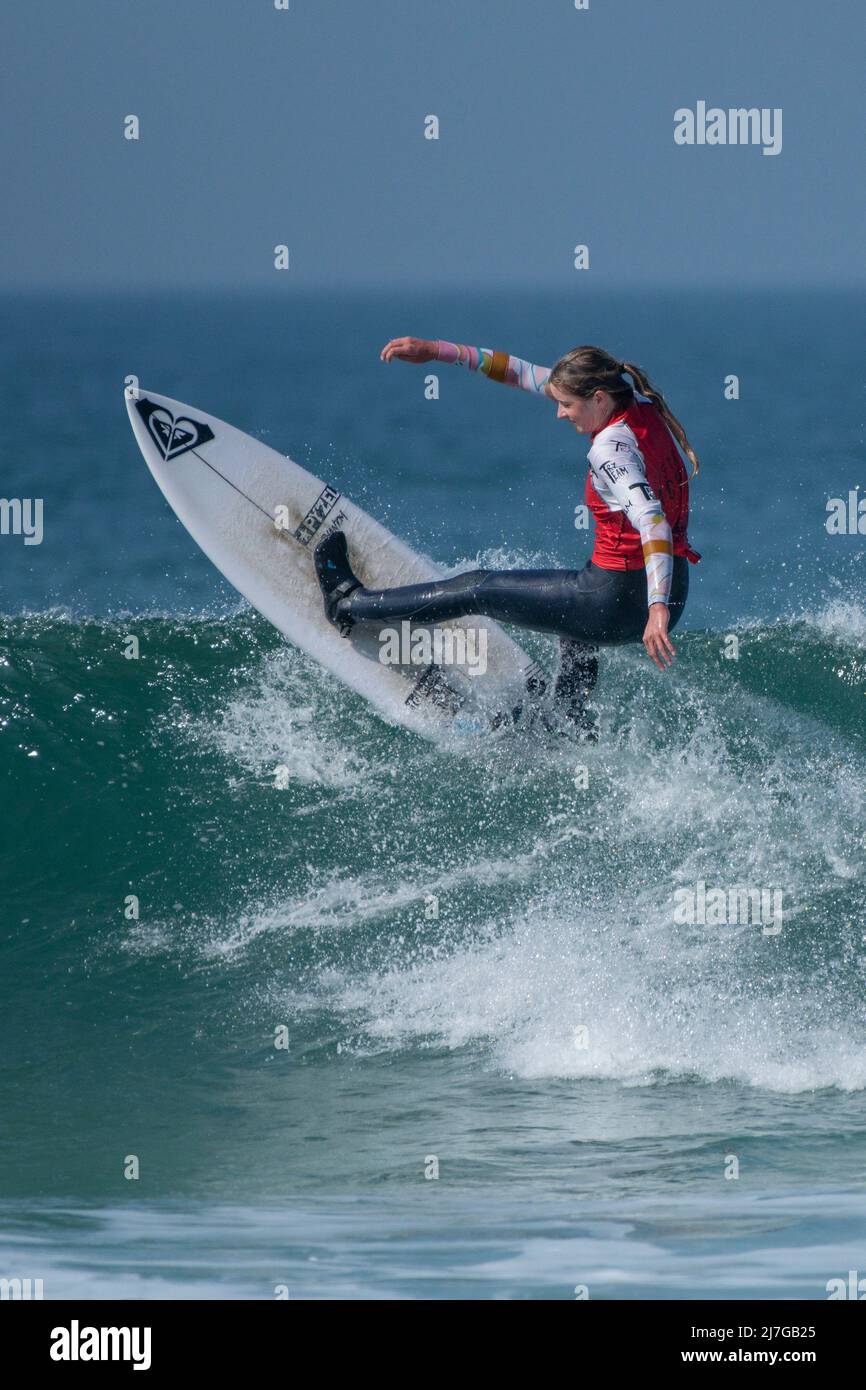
{"x":258,"y":516}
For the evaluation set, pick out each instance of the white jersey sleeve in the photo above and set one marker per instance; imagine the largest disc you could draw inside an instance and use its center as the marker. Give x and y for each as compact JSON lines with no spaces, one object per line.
{"x":619,"y":477}
{"x":498,"y":366}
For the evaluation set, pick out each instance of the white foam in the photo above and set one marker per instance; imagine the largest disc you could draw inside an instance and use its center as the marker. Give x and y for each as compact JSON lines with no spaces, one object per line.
{"x":339,"y":902}
{"x":843,"y":619}
{"x":597,"y":947}
{"x":526,"y":995}
{"x":286,"y":719}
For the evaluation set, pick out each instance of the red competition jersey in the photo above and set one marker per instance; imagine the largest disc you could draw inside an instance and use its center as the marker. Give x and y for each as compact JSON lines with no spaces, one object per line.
{"x":639,"y":429}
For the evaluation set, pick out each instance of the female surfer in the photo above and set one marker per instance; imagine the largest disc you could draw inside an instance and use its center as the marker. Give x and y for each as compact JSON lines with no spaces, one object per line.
{"x":636,"y":489}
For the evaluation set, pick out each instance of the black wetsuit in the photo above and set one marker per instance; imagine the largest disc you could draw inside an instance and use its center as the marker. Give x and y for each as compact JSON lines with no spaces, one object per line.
{"x":585,"y":608}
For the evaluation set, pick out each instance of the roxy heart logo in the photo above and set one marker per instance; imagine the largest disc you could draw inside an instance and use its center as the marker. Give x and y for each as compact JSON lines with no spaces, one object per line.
{"x":172,"y":435}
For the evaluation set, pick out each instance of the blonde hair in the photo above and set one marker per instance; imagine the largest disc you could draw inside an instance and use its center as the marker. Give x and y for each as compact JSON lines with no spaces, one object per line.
{"x":584,"y":370}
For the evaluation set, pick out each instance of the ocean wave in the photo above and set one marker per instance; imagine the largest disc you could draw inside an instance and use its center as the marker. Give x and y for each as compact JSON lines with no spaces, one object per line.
{"x":276,"y":833}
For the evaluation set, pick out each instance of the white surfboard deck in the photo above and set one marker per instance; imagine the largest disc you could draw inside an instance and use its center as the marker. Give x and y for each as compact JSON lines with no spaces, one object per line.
{"x":258,"y":517}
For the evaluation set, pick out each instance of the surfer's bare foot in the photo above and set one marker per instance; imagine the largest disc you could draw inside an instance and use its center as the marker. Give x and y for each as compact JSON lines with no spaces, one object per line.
{"x":336,"y":579}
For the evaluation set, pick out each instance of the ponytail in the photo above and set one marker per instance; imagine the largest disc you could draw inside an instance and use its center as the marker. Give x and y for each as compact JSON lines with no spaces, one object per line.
{"x":584,"y":370}
{"x":646,"y":388}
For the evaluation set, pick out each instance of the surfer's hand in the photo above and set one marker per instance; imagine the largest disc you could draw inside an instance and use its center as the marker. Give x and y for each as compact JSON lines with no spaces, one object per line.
{"x":409,"y":350}
{"x":655,"y":637}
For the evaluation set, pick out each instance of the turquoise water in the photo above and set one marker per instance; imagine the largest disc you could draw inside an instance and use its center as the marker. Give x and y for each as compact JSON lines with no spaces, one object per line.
{"x":565,"y":1157}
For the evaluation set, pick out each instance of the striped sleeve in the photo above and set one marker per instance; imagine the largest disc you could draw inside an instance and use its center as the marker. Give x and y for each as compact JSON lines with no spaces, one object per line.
{"x":498,"y":366}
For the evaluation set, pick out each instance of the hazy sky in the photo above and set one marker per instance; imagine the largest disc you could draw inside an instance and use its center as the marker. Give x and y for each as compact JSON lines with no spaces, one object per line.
{"x":306,"y":127}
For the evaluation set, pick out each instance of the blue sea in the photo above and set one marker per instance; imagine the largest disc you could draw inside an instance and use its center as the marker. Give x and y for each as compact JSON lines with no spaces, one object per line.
{"x":506,"y":1069}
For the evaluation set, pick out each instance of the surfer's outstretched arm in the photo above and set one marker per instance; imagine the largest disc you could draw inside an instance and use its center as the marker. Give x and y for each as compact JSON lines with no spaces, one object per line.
{"x":498,"y":366}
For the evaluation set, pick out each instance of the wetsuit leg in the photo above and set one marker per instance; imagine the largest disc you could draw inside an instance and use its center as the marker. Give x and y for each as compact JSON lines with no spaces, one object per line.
{"x":575,"y":682}
{"x":589,"y":605}
{"x":584,"y":608}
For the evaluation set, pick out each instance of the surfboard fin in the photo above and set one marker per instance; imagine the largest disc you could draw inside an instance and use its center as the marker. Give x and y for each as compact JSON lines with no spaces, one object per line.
{"x":336,"y":578}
